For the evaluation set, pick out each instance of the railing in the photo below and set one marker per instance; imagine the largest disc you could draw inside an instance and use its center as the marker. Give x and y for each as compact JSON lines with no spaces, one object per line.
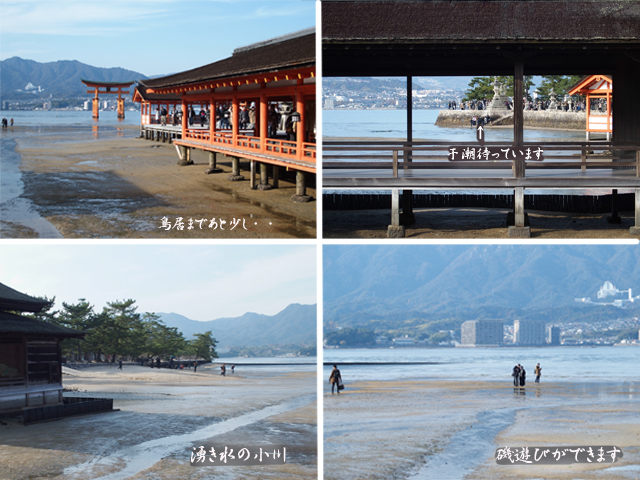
{"x":249,"y":143}
{"x":280,"y":148}
{"x":309,"y":152}
{"x":198,"y":134}
{"x":12,"y":381}
{"x":393,"y":156}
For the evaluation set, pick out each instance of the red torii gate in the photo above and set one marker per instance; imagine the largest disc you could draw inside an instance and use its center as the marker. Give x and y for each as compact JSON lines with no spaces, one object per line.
{"x":107,"y":90}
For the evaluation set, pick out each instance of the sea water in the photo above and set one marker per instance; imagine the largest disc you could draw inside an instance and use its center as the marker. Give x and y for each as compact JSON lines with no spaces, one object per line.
{"x":383,"y":124}
{"x":58,"y":126}
{"x":565,"y":364}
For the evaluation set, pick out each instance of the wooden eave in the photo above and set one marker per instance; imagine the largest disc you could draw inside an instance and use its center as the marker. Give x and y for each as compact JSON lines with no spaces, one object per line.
{"x":582,"y":88}
{"x":257,"y":79}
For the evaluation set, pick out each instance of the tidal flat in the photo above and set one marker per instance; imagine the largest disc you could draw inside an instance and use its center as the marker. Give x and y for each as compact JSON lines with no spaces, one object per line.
{"x":449,"y":430}
{"x":163,"y":415}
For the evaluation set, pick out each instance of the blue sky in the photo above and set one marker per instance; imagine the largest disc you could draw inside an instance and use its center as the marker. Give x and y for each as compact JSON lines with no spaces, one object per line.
{"x":152,"y":37}
{"x":201,"y":282}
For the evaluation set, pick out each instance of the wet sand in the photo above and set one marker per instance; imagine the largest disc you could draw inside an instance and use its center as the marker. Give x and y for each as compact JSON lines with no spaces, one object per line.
{"x":115,"y":185}
{"x":163,"y":415}
{"x":449,"y":430}
{"x":450,"y":223}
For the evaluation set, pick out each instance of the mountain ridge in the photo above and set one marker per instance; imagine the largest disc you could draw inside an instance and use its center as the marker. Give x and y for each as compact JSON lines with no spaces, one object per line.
{"x":295,"y":324}
{"x":60,"y":79}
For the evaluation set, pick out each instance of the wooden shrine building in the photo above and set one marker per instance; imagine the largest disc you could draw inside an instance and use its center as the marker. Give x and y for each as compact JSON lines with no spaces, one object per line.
{"x":271,"y":82}
{"x":30,"y":353}
{"x":596,"y":88}
{"x":111,"y":88}
{"x":485,"y":38}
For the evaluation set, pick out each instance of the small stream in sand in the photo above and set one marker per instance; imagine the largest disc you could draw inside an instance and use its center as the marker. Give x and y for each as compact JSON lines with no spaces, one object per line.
{"x":144,"y":455}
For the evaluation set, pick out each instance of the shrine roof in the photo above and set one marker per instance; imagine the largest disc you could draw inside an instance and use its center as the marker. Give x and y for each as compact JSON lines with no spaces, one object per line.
{"x":11,"y":299}
{"x":17,"y":324}
{"x":345,"y":21}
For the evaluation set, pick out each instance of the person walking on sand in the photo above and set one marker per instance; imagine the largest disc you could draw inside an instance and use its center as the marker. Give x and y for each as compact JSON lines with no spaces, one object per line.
{"x":516,"y":376}
{"x":538,"y":372}
{"x":120,"y":364}
{"x":223,"y":370}
{"x":195,"y":367}
{"x":233,"y":368}
{"x":523,"y":376}
{"x":335,"y":379}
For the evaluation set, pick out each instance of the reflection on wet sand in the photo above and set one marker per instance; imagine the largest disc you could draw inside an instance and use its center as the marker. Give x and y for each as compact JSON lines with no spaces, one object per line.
{"x":163,"y":415}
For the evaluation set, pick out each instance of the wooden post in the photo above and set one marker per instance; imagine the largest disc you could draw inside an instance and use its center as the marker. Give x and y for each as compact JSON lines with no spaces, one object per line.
{"x":264,"y":122}
{"x":301,"y":189}
{"x":213,"y":163}
{"x":252,"y":175}
{"x":300,"y":125}
{"x":235,"y":176}
{"x":235,"y":117}
{"x":635,"y":230}
{"x":264,"y":177}
{"x":518,"y":116}
{"x":185,"y":118}
{"x":395,"y":230}
{"x":276,"y":176}
{"x":95,"y":105}
{"x":408,"y":218}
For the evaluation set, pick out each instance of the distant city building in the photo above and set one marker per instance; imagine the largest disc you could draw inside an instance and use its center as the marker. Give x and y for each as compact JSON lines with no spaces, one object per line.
{"x":5,"y":105}
{"x":528,"y":332}
{"x":86,"y":105}
{"x":553,"y":336}
{"x":329,"y":103}
{"x":482,"y":332}
{"x":403,"y":342}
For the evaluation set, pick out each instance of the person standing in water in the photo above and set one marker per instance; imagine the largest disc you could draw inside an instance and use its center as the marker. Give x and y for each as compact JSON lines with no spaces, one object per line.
{"x":538,"y":372}
{"x":335,"y":379}
{"x":516,"y":376}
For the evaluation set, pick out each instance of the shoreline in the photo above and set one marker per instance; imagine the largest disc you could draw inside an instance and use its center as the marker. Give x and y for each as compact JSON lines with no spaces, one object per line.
{"x":105,"y":182}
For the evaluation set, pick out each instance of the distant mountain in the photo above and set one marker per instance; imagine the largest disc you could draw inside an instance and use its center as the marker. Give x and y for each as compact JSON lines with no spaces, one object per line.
{"x":296,"y":324}
{"x":61,"y":78}
{"x":362,"y":281}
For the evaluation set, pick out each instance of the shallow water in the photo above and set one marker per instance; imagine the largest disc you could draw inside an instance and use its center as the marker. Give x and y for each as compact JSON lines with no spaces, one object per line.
{"x":572,"y":364}
{"x":468,"y":448}
{"x":144,"y":455}
{"x":13,"y":207}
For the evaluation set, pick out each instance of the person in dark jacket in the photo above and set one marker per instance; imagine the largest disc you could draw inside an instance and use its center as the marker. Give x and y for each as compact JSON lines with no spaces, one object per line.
{"x":335,"y":379}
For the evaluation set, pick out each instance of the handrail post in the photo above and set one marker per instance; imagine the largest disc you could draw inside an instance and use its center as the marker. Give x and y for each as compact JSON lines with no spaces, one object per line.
{"x":583,"y":159}
{"x":395,"y":164}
